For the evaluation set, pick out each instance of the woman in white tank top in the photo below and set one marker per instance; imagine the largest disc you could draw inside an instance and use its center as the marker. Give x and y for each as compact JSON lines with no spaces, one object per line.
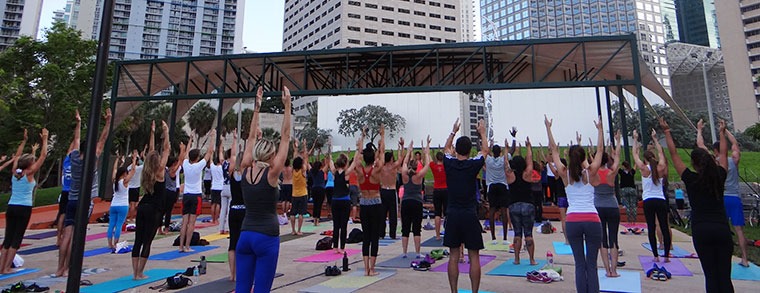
{"x":655,"y":203}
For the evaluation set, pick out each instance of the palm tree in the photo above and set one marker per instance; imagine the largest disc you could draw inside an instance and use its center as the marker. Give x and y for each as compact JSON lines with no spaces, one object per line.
{"x":201,"y":119}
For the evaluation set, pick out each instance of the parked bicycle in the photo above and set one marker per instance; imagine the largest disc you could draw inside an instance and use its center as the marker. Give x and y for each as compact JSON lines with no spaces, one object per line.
{"x":753,"y":216}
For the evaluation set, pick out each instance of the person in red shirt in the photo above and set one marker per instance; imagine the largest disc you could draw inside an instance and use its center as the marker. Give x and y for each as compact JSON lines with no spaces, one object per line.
{"x":440,"y":192}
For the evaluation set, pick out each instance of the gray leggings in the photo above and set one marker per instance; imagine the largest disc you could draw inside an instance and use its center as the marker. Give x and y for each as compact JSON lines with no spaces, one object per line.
{"x":590,"y":233}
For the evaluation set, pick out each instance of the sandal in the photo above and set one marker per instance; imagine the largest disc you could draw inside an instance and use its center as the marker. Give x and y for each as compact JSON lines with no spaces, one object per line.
{"x":85,"y":283}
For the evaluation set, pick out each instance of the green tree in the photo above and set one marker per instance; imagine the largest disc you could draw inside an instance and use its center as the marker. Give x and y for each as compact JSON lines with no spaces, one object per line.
{"x":270,"y":133}
{"x":753,"y":131}
{"x":316,"y":136}
{"x":229,"y":122}
{"x":201,"y":119}
{"x":351,"y":121}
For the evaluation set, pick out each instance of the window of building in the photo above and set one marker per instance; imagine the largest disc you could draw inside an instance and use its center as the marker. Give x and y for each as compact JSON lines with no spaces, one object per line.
{"x":451,"y":30}
{"x":420,"y":13}
{"x":404,"y":35}
{"x":436,"y":4}
{"x":354,"y":28}
{"x":370,"y":30}
{"x":388,"y":8}
{"x":448,"y":17}
{"x":402,"y":22}
{"x":433,"y":39}
{"x":435,"y":27}
{"x":387,"y":33}
{"x":402,"y":10}
{"x":434,"y":15}
{"x":370,"y":18}
{"x":355,"y":3}
{"x":387,"y":20}
{"x":370,"y":43}
{"x":449,"y":6}
{"x":420,"y":25}
{"x":418,"y":37}
{"x":369,"y":5}
{"x":351,"y":15}
{"x":419,"y":1}
{"x":352,"y":41}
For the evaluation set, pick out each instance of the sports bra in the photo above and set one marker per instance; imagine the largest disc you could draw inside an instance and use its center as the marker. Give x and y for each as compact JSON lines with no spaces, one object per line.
{"x":368,"y":186}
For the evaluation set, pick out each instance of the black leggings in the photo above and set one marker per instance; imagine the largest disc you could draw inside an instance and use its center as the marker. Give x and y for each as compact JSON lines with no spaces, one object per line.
{"x":390,"y":203}
{"x":318,"y":194}
{"x":372,"y":220}
{"x":714,"y":246}
{"x":329,"y":191}
{"x":610,"y":218}
{"x":538,"y":203}
{"x":236,"y":223}
{"x":340,"y":213}
{"x":17,"y":219}
{"x":659,"y":208}
{"x":171,"y":199}
{"x":147,"y":221}
{"x":411,"y":218}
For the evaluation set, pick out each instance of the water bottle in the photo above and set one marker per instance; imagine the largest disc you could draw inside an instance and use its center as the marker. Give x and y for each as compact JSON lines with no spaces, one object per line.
{"x":550,"y":259}
{"x":202,"y":266}
{"x":345,"y":262}
{"x":196,"y":275}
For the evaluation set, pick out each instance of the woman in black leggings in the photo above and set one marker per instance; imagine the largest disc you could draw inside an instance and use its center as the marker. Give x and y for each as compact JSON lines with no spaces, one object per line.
{"x":317,"y":175}
{"x":710,"y":230}
{"x":607,"y":207}
{"x":655,"y":204}
{"x":149,"y":210}
{"x":340,"y":207}
{"x":411,"y":203}
{"x":237,"y":206}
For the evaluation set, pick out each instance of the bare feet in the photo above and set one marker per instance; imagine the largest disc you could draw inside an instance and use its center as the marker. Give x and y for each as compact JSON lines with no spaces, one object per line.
{"x":667,"y":259}
{"x":517,"y":262}
{"x":438,"y":238}
{"x":744,"y":264}
{"x":337,"y":251}
{"x":181,"y":250}
{"x":656,"y":259}
{"x":299,"y":233}
{"x":294,"y":233}
{"x":612,"y":275}
{"x":140,"y":277}
{"x":533,"y":262}
{"x":373,"y":273}
{"x":189,"y":249}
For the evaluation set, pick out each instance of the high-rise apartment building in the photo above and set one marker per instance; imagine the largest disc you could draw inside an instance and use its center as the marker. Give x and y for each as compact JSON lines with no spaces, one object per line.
{"x":20,"y":18}
{"x":697,"y":22}
{"x":523,"y":19}
{"x":146,"y":29}
{"x":467,"y":20}
{"x":669,"y":20}
{"x":739,"y":24}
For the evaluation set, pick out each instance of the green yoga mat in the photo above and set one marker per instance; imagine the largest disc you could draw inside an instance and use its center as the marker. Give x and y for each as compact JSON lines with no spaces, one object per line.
{"x":309,"y":227}
{"x":349,"y":283}
{"x":289,"y":237}
{"x":216,"y":258}
{"x":126,"y":282}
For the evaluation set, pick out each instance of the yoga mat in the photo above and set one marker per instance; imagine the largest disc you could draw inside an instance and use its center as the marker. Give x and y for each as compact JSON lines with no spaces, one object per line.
{"x":634,"y":225}
{"x":496,"y":247}
{"x":49,"y":280}
{"x":215,"y":237}
{"x":432,"y":242}
{"x":399,"y":262}
{"x":97,"y":251}
{"x":509,"y":269}
{"x":216,"y":258}
{"x":675,"y":266}
{"x":96,"y":236}
{"x":19,"y":272}
{"x":349,"y":282}
{"x":42,"y":235}
{"x":204,"y":225}
{"x":203,"y":219}
{"x":464,"y":268}
{"x":561,"y":248}
{"x":223,"y":285}
{"x":175,"y":254}
{"x":629,"y":282}
{"x":675,"y":252}
{"x":38,"y":250}
{"x":327,"y":256}
{"x":388,"y":242}
{"x":311,"y":228}
{"x":126,"y":282}
{"x":290,"y":237}
{"x":752,"y":273}
{"x":470,"y":291}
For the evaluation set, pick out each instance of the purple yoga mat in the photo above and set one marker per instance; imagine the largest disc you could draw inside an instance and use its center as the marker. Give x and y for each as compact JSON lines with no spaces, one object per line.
{"x":43,"y":235}
{"x":464,"y":268}
{"x":675,"y":266}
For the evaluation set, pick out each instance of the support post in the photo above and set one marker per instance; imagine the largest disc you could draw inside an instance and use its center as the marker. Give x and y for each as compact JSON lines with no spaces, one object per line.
{"x":173,"y":120}
{"x":623,"y":123}
{"x":609,"y":118}
{"x":639,"y":91}
{"x":598,"y":103}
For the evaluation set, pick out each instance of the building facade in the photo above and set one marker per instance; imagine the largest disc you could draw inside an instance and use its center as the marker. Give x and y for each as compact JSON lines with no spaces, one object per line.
{"x":20,"y":18}
{"x":739,"y":24}
{"x":669,"y":20}
{"x":148,"y":29}
{"x":688,"y":82}
{"x":697,"y":22}
{"x":523,"y":19}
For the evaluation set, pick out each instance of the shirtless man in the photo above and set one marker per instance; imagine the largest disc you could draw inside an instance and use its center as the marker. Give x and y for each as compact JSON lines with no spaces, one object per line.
{"x":387,"y":177}
{"x":286,"y":188}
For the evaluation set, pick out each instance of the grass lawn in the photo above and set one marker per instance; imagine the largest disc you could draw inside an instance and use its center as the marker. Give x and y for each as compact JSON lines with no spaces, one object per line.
{"x":753,"y":252}
{"x":45,"y":196}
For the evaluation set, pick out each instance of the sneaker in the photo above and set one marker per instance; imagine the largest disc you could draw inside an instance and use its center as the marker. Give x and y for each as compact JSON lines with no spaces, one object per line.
{"x":429,"y":259}
{"x":621,"y":264}
{"x":661,"y":276}
{"x":494,"y":242}
{"x":403,"y":255}
{"x":36,"y":288}
{"x":653,"y":271}
{"x":536,"y":277}
{"x":18,"y":287}
{"x":665,"y":272}
{"x":420,"y":256}
{"x":621,"y":252}
{"x":428,"y":226}
{"x":511,"y":248}
{"x":505,"y":242}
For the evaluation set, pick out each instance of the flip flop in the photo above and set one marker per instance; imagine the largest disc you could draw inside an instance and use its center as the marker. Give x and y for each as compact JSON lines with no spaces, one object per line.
{"x":85,"y":283}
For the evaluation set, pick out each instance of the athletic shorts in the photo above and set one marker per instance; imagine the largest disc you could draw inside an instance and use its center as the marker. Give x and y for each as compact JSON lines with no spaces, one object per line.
{"x":191,"y":204}
{"x":498,"y":196}
{"x":206,"y":186}
{"x":354,"y":194}
{"x":562,"y":202}
{"x":734,"y":210}
{"x":463,"y":227}
{"x":299,"y":206}
{"x":439,"y":201}
{"x":680,"y":203}
{"x":71,"y":212}
{"x":134,"y":194}
{"x":286,"y":192}
{"x":216,"y":196}
{"x":62,"y":202}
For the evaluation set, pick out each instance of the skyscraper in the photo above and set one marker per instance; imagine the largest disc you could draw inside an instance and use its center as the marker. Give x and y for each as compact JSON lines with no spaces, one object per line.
{"x":523,"y":19}
{"x":697,"y":22}
{"x":20,"y":18}
{"x":669,"y":20}
{"x":146,"y":29}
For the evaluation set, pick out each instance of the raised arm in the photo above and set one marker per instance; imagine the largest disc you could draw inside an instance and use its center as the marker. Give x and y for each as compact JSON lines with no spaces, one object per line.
{"x":449,"y":147}
{"x":233,"y":154}
{"x":677,"y":162}
{"x":210,"y":150}
{"x":735,"y":152}
{"x":152,"y":138}
{"x":700,"y":138}
{"x":426,"y":161}
{"x":220,"y":152}
{"x":636,"y":159}
{"x":397,"y":164}
{"x":662,"y":163}
{"x":527,"y":175}
{"x":252,"y":131}
{"x":328,"y":158}
{"x":560,"y":168}
{"x":43,"y":153}
{"x":20,"y":150}
{"x":131,"y":171}
{"x":513,"y":148}
{"x":615,"y":159}
{"x":104,"y":134}
{"x":355,"y":164}
{"x":483,"y":138}
{"x":597,"y":162}
{"x":278,"y":163}
{"x":6,"y":163}
{"x":77,"y":134}
{"x":166,"y":148}
{"x":405,"y":165}
{"x":723,"y":157}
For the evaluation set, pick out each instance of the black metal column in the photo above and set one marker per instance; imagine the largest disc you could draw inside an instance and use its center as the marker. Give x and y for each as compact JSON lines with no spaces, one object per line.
{"x":623,"y":125}
{"x":609,"y":117}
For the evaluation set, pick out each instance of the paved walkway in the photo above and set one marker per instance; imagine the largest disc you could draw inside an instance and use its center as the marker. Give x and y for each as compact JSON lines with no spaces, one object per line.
{"x":302,"y":275}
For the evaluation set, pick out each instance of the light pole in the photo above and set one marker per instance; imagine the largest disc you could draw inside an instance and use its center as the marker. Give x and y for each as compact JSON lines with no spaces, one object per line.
{"x":707,"y":93}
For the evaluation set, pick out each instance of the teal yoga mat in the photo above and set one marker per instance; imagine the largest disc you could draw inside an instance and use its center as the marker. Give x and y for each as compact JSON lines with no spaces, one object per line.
{"x":432,"y":242}
{"x":509,"y":269}
{"x":628,"y":282}
{"x":752,"y":273}
{"x":562,"y":248}
{"x":126,"y":282}
{"x":50,"y":280}
{"x":36,"y":250}
{"x":470,"y":291}
{"x":19,"y":272}
{"x":175,"y":254}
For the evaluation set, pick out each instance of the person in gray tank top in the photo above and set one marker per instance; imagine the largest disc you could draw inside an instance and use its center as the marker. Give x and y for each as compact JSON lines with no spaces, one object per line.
{"x":607,"y":207}
{"x":411,"y":202}
{"x":731,"y":197}
{"x":497,"y":167}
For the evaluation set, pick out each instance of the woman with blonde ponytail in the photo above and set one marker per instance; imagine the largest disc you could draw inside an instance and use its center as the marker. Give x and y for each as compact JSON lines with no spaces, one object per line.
{"x":655,"y":204}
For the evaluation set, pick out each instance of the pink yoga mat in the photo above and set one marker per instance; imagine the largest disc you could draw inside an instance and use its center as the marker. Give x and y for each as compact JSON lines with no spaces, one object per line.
{"x":95,"y":236}
{"x":327,"y":256}
{"x":675,"y":266}
{"x":634,"y":225}
{"x":464,"y":268}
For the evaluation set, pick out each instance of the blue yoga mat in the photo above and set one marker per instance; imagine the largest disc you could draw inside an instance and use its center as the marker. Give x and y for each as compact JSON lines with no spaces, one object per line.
{"x":752,"y":273}
{"x":386,"y":242}
{"x":20,"y":272}
{"x":38,"y":250}
{"x":562,"y":248}
{"x":628,"y":282}
{"x":509,"y":269}
{"x":470,"y":291}
{"x":432,"y":243}
{"x":175,"y":254}
{"x":675,"y":251}
{"x":43,"y":235}
{"x":97,"y":251}
{"x":124,"y":283}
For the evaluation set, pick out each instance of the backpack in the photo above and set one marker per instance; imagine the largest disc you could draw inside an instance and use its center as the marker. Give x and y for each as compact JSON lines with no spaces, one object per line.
{"x":104,"y":219}
{"x":178,"y":281}
{"x":355,"y":236}
{"x":324,"y":243}
{"x":546,"y":228}
{"x":195,"y":241}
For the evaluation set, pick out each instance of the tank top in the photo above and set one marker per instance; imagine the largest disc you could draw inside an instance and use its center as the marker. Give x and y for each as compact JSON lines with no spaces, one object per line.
{"x":412,"y":191}
{"x":120,"y":196}
{"x":732,"y":179}
{"x":235,"y":190}
{"x":171,"y":183}
{"x":580,"y":196}
{"x":260,"y":203}
{"x":353,"y":179}
{"x":21,"y":191}
{"x":604,"y":194}
{"x":317,"y":179}
{"x":495,"y":171}
{"x":649,"y":189}
{"x":330,"y":180}
{"x":367,"y":186}
{"x":520,"y":191}
{"x":340,"y":184}
{"x":157,"y":197}
{"x":299,"y":184}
